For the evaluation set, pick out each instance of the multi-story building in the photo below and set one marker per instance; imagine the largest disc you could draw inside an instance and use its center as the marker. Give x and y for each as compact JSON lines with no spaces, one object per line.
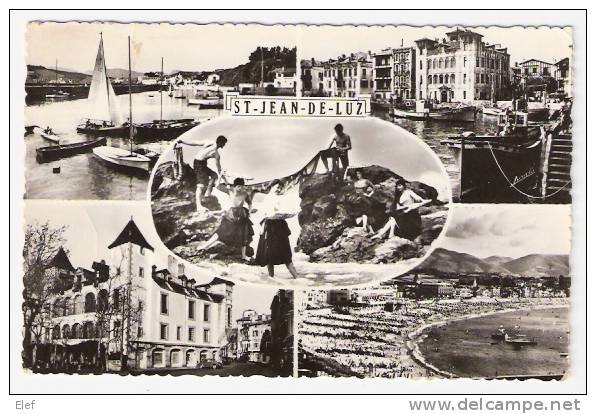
{"x":563,"y":76}
{"x":404,"y":73}
{"x":348,"y":76}
{"x":311,"y":74}
{"x":461,"y":68}
{"x":254,"y":336}
{"x":284,"y":78}
{"x":125,"y":309}
{"x":536,"y":68}
{"x":338,"y":296}
{"x":282,"y":332}
{"x":383,"y":75}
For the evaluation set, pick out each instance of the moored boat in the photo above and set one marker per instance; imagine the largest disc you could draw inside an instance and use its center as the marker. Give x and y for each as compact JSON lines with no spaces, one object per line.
{"x":443,"y":112}
{"x":50,"y":135}
{"x":106,"y":117}
{"x":491,"y":110}
{"x":54,"y":152}
{"x":207,"y":102}
{"x":168,"y":129}
{"x":499,"y":168}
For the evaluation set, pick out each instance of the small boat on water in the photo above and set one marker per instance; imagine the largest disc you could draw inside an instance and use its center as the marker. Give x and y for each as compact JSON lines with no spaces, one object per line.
{"x":499,"y":335}
{"x":50,"y":135}
{"x":504,"y":167}
{"x":54,"y":152}
{"x":491,"y":110}
{"x":126,"y":158}
{"x":57,"y":94}
{"x":106,"y":116}
{"x":519,"y":340}
{"x":442,"y":112}
{"x":164,"y":129}
{"x":207,"y":102}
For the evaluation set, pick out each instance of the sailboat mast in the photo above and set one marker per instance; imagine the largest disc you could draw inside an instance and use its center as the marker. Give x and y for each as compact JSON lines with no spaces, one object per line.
{"x":130,"y":127}
{"x":161,"y":93}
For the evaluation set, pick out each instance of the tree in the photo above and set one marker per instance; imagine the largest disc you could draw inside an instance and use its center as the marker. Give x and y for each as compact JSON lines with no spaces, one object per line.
{"x":42,"y":243}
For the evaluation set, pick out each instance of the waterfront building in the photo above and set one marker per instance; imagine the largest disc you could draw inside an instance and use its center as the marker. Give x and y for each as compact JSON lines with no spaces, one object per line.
{"x":563,"y":76}
{"x":338,"y":296}
{"x":284,"y":78}
{"x":311,"y":74}
{"x":383,"y":67}
{"x":254,"y":336}
{"x":461,"y":68}
{"x":348,"y":76}
{"x":282,"y":332}
{"x":127,"y":310}
{"x":534,"y":68}
{"x":404,"y":73}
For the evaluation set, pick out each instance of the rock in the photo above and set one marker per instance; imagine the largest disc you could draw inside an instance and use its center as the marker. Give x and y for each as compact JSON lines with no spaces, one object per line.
{"x":220,"y":252}
{"x":395,"y":249}
{"x":432,"y":224}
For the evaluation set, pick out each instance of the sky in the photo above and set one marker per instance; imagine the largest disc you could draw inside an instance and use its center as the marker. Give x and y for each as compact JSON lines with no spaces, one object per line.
{"x":92,"y":226}
{"x":189,"y":47}
{"x":543,"y":43}
{"x":264,"y":148}
{"x":508,"y":230}
{"x":207,"y":47}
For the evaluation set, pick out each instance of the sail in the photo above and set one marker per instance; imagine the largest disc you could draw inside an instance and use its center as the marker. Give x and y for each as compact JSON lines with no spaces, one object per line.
{"x":103,"y":104}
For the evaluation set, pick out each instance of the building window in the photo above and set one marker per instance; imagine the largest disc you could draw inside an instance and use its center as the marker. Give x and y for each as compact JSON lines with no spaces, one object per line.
{"x":164,"y":304}
{"x":179,"y":333}
{"x":89,"y":302}
{"x":116,"y":330}
{"x":163,"y":331}
{"x":191,"y":309}
{"x":465,"y":60}
{"x":206,"y":338}
{"x":142,"y":250}
{"x":464,"y":93}
{"x":139,"y":332}
{"x":229,"y":316}
{"x":141,"y":272}
{"x":191,"y":334}
{"x":206,"y":310}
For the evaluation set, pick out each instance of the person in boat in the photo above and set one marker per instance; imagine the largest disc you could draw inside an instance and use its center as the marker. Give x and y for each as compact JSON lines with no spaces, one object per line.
{"x":274,"y":243}
{"x":404,"y":218}
{"x":205,"y":176}
{"x":235,"y":228}
{"x":343,"y":144}
{"x":362,"y":198}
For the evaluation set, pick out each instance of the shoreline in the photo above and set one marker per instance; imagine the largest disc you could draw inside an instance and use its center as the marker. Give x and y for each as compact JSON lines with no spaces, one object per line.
{"x":415,"y":337}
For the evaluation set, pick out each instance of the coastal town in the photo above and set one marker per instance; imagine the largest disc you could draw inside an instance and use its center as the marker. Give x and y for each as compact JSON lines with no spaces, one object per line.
{"x":476,"y":95}
{"x":461,"y":313}
{"x":138,"y":309}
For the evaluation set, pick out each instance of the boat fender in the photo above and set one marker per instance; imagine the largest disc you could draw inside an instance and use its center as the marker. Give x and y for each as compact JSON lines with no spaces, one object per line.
{"x":468,"y":134}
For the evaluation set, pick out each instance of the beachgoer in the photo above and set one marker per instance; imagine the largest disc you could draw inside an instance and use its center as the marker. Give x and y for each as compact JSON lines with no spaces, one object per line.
{"x":274,"y":243}
{"x":343,"y":144}
{"x":235,"y":228}
{"x":205,"y":176}
{"x":364,"y":190}
{"x":404,"y":215}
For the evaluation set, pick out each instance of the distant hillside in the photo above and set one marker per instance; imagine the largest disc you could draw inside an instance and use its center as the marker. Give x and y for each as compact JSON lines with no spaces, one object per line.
{"x":533,"y":265}
{"x":539,"y":265}
{"x":40,"y":74}
{"x":250,"y":72}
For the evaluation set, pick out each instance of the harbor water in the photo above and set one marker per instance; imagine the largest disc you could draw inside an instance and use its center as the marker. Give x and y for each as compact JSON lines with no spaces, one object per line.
{"x":465,"y":348}
{"x":84,"y":176}
{"x":432,"y":132}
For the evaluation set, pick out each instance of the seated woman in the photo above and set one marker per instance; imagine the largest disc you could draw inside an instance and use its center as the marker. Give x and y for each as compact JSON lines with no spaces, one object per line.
{"x":274,"y":243}
{"x":364,"y":190}
{"x":235,"y":228}
{"x":404,"y":218}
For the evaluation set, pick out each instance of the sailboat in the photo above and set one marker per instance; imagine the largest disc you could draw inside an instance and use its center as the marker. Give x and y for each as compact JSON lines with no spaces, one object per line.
{"x":58,"y":94}
{"x":106,"y":117}
{"x":165,"y":129}
{"x":119,"y":157}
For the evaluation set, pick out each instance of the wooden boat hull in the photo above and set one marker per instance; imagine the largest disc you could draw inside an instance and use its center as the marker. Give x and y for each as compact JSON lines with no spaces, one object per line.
{"x":54,"y":152}
{"x":495,"y":171}
{"x":206,"y":103}
{"x":467,"y":114}
{"x":166,"y":129}
{"x":104,"y":131}
{"x":121,"y":158}
{"x":491,"y":111}
{"x":416,"y":116}
{"x":51,"y":137}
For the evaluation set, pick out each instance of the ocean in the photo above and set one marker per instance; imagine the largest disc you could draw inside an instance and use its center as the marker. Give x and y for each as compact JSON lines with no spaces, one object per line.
{"x":465,"y":347}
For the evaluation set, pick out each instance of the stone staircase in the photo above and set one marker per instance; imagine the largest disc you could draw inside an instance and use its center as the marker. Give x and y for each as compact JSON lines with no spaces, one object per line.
{"x":559,"y":169}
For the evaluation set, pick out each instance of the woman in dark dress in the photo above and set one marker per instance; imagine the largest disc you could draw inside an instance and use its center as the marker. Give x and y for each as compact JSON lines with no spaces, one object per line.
{"x":274,"y":243}
{"x":403,"y":214}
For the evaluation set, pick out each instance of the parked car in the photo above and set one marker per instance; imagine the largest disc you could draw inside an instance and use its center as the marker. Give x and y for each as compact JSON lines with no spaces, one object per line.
{"x":210,"y":364}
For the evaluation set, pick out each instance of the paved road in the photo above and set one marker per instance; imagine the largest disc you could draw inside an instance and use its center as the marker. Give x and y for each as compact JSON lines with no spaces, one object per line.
{"x":233,"y":369}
